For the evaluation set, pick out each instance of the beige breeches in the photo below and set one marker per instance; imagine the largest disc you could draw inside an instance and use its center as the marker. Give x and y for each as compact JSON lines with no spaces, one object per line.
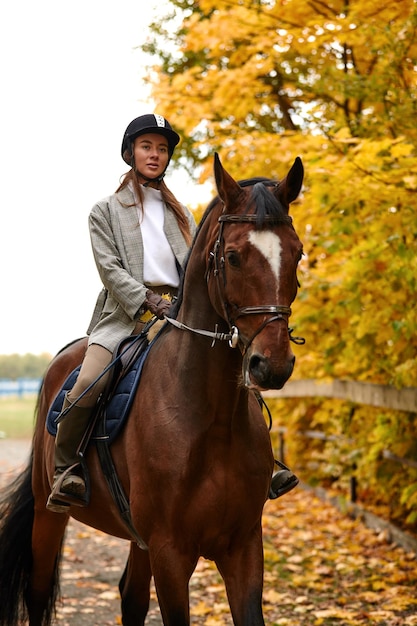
{"x":95,"y":361}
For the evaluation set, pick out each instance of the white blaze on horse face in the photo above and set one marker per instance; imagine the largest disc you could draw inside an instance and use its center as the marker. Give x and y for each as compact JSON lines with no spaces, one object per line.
{"x":269,"y":244}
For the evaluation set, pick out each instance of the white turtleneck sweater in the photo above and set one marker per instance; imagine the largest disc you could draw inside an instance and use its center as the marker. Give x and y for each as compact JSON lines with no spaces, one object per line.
{"x":159,"y":267}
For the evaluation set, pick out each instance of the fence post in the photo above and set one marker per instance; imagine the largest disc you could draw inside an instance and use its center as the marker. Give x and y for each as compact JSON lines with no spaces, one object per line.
{"x":353,"y":486}
{"x":282,"y":446}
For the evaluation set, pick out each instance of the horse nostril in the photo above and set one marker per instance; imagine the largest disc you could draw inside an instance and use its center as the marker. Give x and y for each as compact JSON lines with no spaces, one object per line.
{"x":263,"y":373}
{"x":258,"y":366}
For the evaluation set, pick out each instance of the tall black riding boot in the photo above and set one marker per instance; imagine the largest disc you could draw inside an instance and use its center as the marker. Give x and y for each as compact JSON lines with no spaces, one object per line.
{"x":69,"y":485}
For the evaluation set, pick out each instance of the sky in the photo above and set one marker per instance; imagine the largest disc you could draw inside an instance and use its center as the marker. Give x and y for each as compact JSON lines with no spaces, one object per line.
{"x":71,"y":79}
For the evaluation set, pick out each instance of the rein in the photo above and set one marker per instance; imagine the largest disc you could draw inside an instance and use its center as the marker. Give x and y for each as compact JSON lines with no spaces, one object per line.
{"x":232,"y":337}
{"x":112,"y":364}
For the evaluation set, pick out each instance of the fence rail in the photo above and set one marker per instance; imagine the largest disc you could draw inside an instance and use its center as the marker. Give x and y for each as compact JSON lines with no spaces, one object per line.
{"x":19,"y":387}
{"x":383,"y":396}
{"x":363,"y":393}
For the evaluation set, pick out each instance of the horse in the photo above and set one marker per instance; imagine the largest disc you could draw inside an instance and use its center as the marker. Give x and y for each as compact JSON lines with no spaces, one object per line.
{"x":194,"y":458}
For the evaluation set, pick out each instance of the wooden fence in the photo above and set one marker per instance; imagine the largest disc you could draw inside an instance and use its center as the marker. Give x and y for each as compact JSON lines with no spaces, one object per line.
{"x":362,"y":393}
{"x":19,"y":387}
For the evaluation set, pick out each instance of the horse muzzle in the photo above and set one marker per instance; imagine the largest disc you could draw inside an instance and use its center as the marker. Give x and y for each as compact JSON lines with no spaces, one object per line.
{"x":268,"y":361}
{"x":262,"y":373}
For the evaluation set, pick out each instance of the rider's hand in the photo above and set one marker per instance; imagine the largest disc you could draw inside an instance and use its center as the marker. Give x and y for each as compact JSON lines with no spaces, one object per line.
{"x":156,"y":304}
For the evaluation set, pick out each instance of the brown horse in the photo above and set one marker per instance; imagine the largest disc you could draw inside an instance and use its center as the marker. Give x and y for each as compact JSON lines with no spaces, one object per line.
{"x":194,"y":457}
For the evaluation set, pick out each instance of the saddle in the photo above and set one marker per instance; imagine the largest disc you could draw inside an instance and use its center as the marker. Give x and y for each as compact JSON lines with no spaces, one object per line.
{"x":115,"y":402}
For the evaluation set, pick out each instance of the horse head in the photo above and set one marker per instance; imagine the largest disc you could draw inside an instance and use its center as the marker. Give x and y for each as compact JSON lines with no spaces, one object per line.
{"x":251,"y":271}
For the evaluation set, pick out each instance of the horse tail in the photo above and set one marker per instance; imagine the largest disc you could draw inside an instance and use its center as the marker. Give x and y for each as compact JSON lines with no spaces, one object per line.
{"x":16,"y":520}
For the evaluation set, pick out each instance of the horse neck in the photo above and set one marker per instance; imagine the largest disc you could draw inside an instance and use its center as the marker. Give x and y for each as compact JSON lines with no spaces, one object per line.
{"x":213,"y":368}
{"x":211,"y":380}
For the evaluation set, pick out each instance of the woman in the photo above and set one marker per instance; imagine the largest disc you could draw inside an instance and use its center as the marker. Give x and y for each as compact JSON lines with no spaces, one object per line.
{"x":140,"y":237}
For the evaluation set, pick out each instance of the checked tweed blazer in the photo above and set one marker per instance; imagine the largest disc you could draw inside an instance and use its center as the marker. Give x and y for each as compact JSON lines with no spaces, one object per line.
{"x":116,"y":240}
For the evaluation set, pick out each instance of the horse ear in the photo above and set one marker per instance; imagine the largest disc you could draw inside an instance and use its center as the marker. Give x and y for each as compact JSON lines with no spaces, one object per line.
{"x":290,"y":187}
{"x":227,"y":188}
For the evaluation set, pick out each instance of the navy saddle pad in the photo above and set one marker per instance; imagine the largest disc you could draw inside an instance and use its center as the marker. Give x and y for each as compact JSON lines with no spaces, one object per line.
{"x":118,"y":407}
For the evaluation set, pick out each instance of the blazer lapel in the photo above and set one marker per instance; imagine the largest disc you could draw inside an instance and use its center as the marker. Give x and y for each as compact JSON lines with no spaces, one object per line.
{"x":131,"y":234}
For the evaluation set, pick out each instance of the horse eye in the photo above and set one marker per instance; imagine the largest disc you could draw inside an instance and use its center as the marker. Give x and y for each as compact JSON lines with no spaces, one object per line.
{"x":233,"y":259}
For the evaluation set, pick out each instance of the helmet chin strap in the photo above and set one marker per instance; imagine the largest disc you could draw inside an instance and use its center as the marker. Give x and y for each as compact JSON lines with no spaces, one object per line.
{"x":158,"y":179}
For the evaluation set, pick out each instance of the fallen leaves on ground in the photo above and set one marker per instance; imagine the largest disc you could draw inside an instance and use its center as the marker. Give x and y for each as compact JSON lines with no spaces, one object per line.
{"x":330,"y":569}
{"x":321,"y":569}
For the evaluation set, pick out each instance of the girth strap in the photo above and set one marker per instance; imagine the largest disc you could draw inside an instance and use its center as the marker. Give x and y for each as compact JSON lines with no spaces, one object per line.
{"x":116,"y":488}
{"x":127,"y":356}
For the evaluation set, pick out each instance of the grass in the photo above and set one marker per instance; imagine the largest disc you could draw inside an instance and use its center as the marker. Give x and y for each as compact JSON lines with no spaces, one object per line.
{"x":16,"y":417}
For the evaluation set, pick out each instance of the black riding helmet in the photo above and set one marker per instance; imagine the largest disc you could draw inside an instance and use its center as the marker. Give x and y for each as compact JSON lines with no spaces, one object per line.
{"x":148,"y":123}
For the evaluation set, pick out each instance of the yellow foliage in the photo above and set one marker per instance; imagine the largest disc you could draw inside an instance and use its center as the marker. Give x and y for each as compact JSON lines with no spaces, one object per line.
{"x":334,"y":83}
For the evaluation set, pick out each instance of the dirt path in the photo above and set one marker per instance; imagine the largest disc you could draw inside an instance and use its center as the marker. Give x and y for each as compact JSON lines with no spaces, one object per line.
{"x":92,"y":561}
{"x":321,"y":569}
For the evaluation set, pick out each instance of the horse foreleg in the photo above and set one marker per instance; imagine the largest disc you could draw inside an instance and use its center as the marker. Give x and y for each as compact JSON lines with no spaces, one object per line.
{"x":172,"y":569}
{"x":134,"y":587}
{"x":47,"y":537}
{"x":242,"y":570}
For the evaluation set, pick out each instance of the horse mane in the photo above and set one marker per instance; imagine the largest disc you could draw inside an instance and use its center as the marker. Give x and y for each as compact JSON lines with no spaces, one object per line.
{"x":267,"y":207}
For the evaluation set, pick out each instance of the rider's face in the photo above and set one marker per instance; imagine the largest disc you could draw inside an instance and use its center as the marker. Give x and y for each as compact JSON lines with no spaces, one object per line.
{"x":151,"y":155}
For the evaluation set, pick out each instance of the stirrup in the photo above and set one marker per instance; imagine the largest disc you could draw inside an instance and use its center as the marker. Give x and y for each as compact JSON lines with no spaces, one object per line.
{"x":56,"y":506}
{"x":59,"y":498}
{"x":285,"y":480}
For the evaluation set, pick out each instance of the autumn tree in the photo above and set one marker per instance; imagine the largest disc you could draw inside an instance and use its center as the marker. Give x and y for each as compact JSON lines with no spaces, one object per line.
{"x":238,"y":72}
{"x":13,"y":366}
{"x":336,"y":83}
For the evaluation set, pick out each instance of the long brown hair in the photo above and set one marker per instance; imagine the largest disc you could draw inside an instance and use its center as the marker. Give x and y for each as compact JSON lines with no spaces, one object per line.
{"x":168,"y":198}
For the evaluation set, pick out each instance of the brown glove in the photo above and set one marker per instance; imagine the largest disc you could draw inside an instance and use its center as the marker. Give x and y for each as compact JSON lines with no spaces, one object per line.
{"x":157,"y":305}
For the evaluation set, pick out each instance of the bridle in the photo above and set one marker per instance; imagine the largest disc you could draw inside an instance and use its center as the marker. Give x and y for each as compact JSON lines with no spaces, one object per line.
{"x":217,"y":265}
{"x":277,"y":312}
